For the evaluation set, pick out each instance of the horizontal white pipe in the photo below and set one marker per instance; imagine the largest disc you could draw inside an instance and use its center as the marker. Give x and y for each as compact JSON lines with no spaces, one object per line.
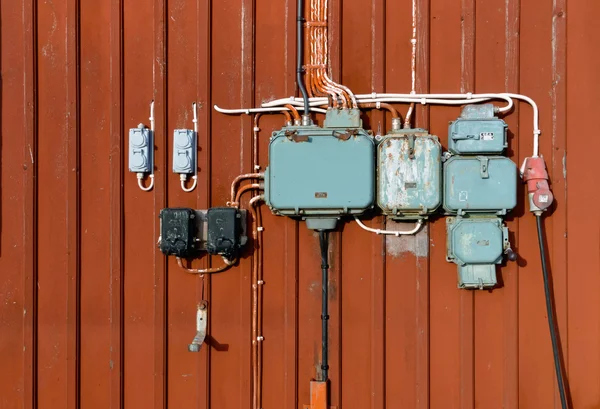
{"x":418,"y":226}
{"x":405,"y":98}
{"x":249,"y":111}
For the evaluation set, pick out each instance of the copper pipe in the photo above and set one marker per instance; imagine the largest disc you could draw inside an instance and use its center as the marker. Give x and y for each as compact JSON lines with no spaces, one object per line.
{"x":238,"y":179}
{"x":260,"y":283}
{"x":254,"y":279}
{"x":407,"y":120}
{"x":243,"y":190}
{"x":213,"y":270}
{"x":294,"y":112}
{"x":374,"y":105}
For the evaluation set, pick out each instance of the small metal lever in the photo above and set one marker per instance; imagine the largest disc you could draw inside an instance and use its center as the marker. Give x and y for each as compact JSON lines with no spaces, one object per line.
{"x":201,"y":321}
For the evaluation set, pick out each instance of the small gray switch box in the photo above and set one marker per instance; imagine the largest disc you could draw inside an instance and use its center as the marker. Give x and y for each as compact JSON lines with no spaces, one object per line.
{"x":141,"y":150}
{"x":184,"y":151}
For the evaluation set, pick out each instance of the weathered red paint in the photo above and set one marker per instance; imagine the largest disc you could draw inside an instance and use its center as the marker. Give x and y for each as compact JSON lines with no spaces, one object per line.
{"x":93,"y":316}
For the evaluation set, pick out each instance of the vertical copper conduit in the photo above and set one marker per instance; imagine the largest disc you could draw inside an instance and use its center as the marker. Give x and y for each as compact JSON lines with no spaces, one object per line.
{"x":256,"y":267}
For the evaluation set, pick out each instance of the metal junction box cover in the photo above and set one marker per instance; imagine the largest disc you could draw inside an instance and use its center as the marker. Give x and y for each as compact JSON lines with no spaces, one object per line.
{"x":409,"y":181}
{"x":480,"y":184}
{"x":320,"y":171}
{"x":477,"y":131}
{"x":476,"y":240}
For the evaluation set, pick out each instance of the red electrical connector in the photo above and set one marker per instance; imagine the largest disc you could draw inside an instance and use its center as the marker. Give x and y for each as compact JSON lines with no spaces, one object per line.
{"x":536,"y":177}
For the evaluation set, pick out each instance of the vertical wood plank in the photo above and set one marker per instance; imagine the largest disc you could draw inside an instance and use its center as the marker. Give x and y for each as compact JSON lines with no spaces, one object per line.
{"x":511,"y":272}
{"x":116,"y":160}
{"x":18,"y":154}
{"x":159,"y":82}
{"x":58,"y":240}
{"x":467,"y":304}
{"x":378,"y":272}
{"x":557,"y":169}
{"x":422,"y":238}
{"x":204,"y":99}
{"x":95,"y":242}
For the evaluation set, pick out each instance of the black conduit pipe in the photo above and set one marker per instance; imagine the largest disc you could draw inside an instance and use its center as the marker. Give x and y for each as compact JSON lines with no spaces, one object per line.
{"x":324,"y":241}
{"x":300,"y":56}
{"x":550,"y":312}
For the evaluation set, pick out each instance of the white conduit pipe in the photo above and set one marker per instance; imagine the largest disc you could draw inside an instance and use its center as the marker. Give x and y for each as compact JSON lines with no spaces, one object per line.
{"x":418,"y":226}
{"x":438,"y":99}
{"x":249,"y":111}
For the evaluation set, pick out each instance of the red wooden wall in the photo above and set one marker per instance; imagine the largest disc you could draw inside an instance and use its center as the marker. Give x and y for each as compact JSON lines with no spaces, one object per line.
{"x":93,"y":316}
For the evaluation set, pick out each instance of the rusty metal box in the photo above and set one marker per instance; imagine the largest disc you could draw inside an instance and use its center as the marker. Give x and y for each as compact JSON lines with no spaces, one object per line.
{"x":480,"y":184}
{"x":409,"y":181}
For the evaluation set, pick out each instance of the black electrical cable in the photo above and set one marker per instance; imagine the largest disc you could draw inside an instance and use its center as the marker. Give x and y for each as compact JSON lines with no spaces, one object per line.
{"x":300,"y":56}
{"x":550,"y":313}
{"x":324,"y":241}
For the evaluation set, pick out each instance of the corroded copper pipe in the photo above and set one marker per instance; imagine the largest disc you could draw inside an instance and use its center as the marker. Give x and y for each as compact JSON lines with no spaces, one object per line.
{"x":374,"y":105}
{"x":238,"y":179}
{"x":294,"y":112}
{"x":212,"y":270}
{"x":243,"y":190}
{"x":257,"y":265}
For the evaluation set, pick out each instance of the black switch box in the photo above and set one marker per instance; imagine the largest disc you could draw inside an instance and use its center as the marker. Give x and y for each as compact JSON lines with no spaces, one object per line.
{"x":224,"y":232}
{"x":178,"y":232}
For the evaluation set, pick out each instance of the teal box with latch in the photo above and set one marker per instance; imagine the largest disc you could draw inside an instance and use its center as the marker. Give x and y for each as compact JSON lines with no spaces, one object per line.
{"x":479,"y":184}
{"x":409,"y":177}
{"x":477,"y":131}
{"x":322,"y":173}
{"x":476,"y":245}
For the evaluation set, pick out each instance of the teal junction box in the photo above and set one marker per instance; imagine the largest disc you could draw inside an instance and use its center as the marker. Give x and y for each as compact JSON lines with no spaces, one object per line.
{"x":477,"y":131}
{"x":479,"y":184}
{"x":320,"y":174}
{"x":409,"y":179}
{"x":477,"y":245}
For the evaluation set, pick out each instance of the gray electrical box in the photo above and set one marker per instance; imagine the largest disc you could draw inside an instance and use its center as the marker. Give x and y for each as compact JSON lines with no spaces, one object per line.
{"x":409,"y":179}
{"x":185,"y":151}
{"x":320,"y":174}
{"x":480,"y":184}
{"x":477,"y":131}
{"x":476,"y":245}
{"x":141,"y":150}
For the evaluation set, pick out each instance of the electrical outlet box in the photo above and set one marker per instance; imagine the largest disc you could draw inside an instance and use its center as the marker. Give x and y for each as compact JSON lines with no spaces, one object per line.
{"x":409,"y":184}
{"x":141,"y":150}
{"x":224,"y":231}
{"x":185,"y":151}
{"x":479,"y":184}
{"x":320,"y":173}
{"x":187,"y":232}
{"x":476,"y":245}
{"x":477,"y":131}
{"x":178,"y":232}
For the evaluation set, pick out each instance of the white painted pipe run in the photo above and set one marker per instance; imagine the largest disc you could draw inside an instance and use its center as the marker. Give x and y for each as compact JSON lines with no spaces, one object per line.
{"x":418,"y":226}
